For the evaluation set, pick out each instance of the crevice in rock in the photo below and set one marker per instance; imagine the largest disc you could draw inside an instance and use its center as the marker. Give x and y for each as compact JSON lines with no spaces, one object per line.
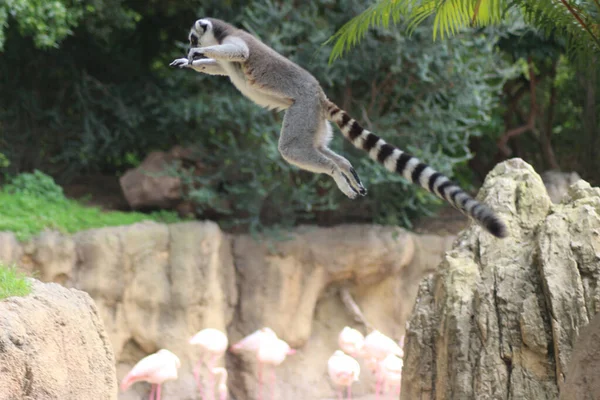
{"x":506,"y":358}
{"x":106,"y":345}
{"x":238,"y":283}
{"x":234,"y":362}
{"x":586,"y":295}
{"x":27,"y":384}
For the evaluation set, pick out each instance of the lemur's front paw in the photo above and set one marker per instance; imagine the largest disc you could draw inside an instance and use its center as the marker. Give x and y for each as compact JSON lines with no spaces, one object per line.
{"x":180,"y":62}
{"x":196,"y":53}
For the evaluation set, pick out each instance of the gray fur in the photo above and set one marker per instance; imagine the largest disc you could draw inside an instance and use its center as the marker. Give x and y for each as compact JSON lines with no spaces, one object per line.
{"x":274,"y":82}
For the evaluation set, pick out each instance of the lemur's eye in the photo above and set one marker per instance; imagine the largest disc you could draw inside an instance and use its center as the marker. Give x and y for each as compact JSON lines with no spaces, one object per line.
{"x":194,"y":40}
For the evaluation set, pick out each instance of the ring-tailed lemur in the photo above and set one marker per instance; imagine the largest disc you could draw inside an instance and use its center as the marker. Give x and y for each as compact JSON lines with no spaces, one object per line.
{"x":274,"y":82}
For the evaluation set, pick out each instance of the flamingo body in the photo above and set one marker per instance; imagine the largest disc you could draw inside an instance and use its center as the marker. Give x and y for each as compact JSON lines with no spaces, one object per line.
{"x":351,"y":341}
{"x":212,"y":341}
{"x":378,"y":345}
{"x":273,"y":350}
{"x":252,"y":341}
{"x":269,"y":350}
{"x":343,"y":370}
{"x":155,"y":368}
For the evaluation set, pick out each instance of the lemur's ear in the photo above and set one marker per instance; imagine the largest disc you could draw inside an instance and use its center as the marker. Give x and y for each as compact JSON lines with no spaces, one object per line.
{"x":202,"y":25}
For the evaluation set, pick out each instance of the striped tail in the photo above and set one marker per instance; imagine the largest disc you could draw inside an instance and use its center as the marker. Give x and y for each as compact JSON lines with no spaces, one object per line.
{"x":411,"y":168}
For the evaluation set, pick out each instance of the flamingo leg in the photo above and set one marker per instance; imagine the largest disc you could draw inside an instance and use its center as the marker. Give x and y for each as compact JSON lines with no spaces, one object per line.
{"x":198,"y":379}
{"x":152,"y":392}
{"x":273,"y":379}
{"x":378,"y":383}
{"x":211,"y":377}
{"x":350,"y":392}
{"x":260,"y":380}
{"x":340,"y":395}
{"x":157,"y":392}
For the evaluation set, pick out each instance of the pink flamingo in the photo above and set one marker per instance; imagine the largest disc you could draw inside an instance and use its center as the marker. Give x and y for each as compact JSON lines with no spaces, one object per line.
{"x":377,"y":347}
{"x":213,"y":343}
{"x":273,"y":351}
{"x":351,"y":341}
{"x":155,"y":368}
{"x":222,"y":387}
{"x":343,"y":371}
{"x":252,"y":341}
{"x":391,"y":369}
{"x":269,"y":349}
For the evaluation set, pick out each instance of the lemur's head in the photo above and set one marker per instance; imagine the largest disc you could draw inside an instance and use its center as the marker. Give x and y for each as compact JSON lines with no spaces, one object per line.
{"x":208,"y":32}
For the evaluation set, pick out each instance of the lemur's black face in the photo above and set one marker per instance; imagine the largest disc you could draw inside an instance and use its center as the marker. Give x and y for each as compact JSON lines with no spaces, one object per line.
{"x":194,"y":40}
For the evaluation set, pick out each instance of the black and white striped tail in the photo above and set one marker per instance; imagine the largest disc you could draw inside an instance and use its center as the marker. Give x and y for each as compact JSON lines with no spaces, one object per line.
{"x":411,"y":168}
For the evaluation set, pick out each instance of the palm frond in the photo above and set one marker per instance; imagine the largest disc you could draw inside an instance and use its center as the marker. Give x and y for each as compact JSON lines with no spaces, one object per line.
{"x":577,"y":20}
{"x":450,"y":17}
{"x":379,"y":14}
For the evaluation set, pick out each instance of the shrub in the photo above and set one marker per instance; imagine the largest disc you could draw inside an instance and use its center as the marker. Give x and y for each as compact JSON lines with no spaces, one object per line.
{"x":12,"y":282}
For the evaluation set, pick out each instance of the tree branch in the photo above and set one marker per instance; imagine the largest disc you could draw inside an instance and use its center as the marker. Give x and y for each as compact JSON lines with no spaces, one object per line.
{"x":503,"y":141}
{"x":546,"y":135}
{"x":353,"y":308}
{"x":581,"y":22}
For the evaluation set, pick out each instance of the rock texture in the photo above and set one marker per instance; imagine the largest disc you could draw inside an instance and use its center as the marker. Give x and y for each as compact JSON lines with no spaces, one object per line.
{"x":293,"y":287}
{"x":53,"y":346}
{"x":156,"y":285}
{"x":500,"y":318}
{"x":583,"y":375}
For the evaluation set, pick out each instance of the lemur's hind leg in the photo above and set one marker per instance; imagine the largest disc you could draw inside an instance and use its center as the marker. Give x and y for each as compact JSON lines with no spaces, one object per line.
{"x":301,"y":125}
{"x":322,"y":143}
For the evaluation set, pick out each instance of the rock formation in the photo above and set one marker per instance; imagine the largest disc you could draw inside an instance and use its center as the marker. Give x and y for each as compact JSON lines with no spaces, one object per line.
{"x":53,"y":346}
{"x":500,"y":318}
{"x":156,"y":285}
{"x":150,"y":185}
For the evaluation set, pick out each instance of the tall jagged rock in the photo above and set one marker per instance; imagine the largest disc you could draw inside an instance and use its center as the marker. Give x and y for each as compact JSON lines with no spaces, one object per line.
{"x":499,"y":319}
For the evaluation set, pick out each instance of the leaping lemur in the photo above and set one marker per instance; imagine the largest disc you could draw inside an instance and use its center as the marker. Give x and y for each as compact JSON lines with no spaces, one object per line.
{"x":274,"y":82}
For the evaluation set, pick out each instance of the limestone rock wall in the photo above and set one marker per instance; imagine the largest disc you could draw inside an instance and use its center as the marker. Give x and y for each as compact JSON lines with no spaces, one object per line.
{"x":156,"y":285}
{"x":500,"y":318}
{"x":53,"y":346}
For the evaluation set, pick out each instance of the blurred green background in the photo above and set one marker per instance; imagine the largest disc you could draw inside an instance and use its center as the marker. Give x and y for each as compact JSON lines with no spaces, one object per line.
{"x":85,"y":90}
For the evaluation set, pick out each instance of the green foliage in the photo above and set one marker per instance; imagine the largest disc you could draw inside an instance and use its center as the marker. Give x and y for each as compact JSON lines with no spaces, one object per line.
{"x":51,"y":21}
{"x":110,"y":98}
{"x":575,"y":20}
{"x":4,"y":161}
{"x":47,"y":21}
{"x":12,"y":282}
{"x":33,"y":203}
{"x":36,"y":184}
